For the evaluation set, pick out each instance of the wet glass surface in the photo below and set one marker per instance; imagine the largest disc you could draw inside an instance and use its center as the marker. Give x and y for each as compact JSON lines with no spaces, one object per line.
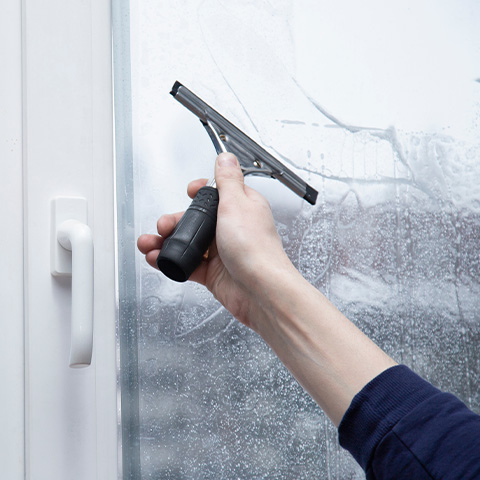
{"x":385,"y":126}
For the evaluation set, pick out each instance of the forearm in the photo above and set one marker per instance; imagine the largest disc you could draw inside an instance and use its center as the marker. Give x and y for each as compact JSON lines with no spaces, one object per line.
{"x":330,"y":357}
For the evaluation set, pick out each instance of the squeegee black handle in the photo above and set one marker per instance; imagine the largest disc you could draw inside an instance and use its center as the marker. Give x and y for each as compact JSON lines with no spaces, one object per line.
{"x":184,"y":249}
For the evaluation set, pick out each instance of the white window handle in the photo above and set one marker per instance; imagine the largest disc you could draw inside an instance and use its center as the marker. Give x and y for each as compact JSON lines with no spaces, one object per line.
{"x":75,"y":236}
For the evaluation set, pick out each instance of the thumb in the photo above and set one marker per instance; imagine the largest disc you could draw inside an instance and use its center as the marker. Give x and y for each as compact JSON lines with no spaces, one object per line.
{"x":228,"y":175}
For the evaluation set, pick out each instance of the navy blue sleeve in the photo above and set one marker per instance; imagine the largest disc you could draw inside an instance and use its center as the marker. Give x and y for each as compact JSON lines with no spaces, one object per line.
{"x":401,"y":427}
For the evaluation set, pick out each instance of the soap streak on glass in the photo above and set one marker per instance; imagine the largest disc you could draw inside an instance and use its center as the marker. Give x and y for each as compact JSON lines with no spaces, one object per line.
{"x":392,"y":241}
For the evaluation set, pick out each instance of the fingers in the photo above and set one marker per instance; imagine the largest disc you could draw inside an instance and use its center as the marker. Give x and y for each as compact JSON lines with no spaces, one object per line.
{"x":228,"y":175}
{"x":229,"y":178}
{"x":166,"y":223}
{"x":195,"y":186}
{"x":147,"y":242}
{"x":150,"y":246}
{"x":165,"y":226}
{"x":151,"y":258}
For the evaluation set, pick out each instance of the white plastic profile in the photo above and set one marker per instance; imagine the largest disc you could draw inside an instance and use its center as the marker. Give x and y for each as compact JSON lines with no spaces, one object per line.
{"x":75,"y":236}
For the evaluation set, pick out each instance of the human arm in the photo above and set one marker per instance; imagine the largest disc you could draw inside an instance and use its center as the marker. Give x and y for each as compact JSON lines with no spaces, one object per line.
{"x":249,"y":273}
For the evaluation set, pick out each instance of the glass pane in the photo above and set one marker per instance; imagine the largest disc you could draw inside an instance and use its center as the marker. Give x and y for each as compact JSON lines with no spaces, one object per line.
{"x":377,"y":106}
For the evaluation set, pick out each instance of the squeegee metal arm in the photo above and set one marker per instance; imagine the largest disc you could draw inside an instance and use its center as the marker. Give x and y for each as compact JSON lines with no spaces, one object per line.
{"x":242,"y":145}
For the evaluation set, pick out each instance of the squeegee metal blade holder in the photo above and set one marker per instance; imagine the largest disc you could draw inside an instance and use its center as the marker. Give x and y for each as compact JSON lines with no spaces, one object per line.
{"x":253,"y":159}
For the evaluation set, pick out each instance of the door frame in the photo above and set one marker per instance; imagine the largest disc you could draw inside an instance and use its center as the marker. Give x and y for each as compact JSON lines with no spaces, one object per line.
{"x":57,"y":140}
{"x":11,"y":243}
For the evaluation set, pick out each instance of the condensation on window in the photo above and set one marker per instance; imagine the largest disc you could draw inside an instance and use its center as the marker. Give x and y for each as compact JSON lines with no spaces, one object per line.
{"x":373,"y":107}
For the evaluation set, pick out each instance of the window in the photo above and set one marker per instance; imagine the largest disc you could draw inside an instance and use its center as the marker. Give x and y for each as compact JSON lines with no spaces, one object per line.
{"x":377,"y":107}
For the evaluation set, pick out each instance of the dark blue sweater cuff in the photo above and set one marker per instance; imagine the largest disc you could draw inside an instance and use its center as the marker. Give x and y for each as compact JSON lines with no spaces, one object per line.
{"x":377,"y":408}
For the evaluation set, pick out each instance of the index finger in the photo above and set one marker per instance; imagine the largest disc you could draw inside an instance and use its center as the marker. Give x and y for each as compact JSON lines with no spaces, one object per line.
{"x":195,"y":185}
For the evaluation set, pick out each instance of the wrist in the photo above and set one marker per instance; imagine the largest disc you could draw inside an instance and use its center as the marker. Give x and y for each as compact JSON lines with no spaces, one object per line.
{"x":275,"y":290}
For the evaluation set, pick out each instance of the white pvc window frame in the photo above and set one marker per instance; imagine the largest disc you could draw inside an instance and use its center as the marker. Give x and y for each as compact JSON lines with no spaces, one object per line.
{"x":56,"y":139}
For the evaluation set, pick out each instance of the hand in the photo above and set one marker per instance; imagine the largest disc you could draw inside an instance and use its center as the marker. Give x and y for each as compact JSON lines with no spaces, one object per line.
{"x":246,"y":251}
